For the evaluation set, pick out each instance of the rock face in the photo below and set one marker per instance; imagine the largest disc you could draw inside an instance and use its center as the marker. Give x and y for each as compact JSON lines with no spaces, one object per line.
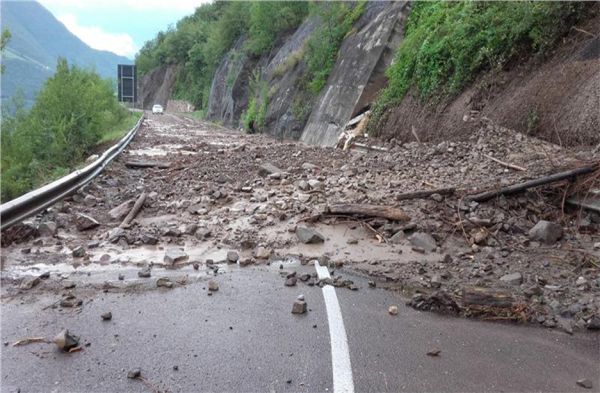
{"x":358,"y":74}
{"x":156,"y":86}
{"x":292,"y":112}
{"x":546,"y":232}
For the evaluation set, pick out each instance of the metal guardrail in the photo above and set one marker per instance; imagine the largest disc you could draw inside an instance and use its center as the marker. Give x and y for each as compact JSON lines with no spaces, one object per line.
{"x":37,"y":200}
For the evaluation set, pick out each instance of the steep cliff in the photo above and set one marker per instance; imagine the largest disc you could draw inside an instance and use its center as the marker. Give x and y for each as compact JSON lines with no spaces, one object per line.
{"x":156,"y":87}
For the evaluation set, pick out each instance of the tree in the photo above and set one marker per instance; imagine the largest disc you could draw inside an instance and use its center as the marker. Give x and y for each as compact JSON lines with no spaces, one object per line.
{"x":4,"y":38}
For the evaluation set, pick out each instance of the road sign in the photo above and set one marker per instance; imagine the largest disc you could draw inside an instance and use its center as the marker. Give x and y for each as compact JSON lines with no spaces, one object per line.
{"x":127,"y":77}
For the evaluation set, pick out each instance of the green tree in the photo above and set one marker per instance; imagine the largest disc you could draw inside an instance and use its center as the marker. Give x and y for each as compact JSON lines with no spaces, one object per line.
{"x":4,"y":38}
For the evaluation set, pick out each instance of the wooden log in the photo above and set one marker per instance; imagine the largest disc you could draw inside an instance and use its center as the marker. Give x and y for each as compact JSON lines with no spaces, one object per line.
{"x":424,"y":193}
{"x":134,"y":210}
{"x":506,"y":164}
{"x":390,"y":213}
{"x":147,"y":164}
{"x":486,"y":297}
{"x":515,"y":188}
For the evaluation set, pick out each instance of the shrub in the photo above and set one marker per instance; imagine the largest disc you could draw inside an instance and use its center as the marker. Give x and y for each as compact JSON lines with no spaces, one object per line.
{"x":446,"y":44}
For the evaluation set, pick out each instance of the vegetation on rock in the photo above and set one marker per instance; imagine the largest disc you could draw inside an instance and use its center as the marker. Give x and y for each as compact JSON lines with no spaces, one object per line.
{"x":447,"y":44}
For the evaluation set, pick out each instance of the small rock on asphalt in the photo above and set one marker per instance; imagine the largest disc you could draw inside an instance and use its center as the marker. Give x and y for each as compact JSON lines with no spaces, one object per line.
{"x":65,"y":341}
{"x":213,"y":286}
{"x":299,"y":307}
{"x":393,"y":310}
{"x":29,"y":282}
{"x":135,"y":373}
{"x":585,"y":383}
{"x":107,"y":316}
{"x":434,"y":352}
{"x":290,"y":282}
{"x":79,"y":252}
{"x":164,"y":282}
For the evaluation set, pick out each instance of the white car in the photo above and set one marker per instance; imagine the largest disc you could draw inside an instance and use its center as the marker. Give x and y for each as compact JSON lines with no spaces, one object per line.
{"x":157,"y":109}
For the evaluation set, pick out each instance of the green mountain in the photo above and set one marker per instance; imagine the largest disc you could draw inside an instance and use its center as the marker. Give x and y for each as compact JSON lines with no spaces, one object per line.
{"x":38,"y":39}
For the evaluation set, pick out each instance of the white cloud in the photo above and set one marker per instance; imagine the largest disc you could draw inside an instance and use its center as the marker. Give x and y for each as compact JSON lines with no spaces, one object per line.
{"x":119,"y":43}
{"x":138,"y":5}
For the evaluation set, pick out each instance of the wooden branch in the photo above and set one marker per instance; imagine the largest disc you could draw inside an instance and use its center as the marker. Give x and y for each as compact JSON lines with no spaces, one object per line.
{"x":478,"y":296}
{"x":506,"y":164}
{"x":134,"y":210}
{"x":147,"y":164}
{"x":424,"y":193}
{"x":390,"y":213}
{"x":414,"y":132}
{"x":515,"y":188}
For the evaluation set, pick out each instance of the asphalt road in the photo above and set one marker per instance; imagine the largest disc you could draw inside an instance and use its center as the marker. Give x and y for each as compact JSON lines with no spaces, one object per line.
{"x":245,"y":339}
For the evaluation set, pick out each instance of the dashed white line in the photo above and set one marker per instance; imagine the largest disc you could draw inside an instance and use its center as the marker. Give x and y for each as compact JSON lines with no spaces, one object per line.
{"x":340,"y":354}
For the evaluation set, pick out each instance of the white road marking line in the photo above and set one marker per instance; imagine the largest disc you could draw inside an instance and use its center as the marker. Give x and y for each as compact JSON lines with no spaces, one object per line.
{"x":340,"y":354}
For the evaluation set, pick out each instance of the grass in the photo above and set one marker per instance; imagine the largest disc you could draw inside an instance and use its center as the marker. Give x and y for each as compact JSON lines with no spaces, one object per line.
{"x":199,"y":114}
{"x":118,"y":131}
{"x":447,"y":44}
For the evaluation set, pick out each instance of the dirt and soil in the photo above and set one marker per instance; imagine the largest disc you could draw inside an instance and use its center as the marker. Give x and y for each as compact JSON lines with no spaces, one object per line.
{"x":556,"y":98}
{"x":224,"y":191}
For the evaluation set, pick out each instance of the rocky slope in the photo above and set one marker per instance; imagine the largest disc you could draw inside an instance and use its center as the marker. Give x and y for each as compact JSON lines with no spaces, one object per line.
{"x":555,"y":98}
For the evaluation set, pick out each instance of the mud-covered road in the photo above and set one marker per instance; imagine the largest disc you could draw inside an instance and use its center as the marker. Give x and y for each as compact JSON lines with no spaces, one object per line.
{"x":242,"y":212}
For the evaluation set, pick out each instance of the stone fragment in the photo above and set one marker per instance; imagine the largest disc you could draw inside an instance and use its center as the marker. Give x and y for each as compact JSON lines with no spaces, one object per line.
{"x":79,"y":252}
{"x":291,"y":281}
{"x":299,"y":307}
{"x":268,"y":169}
{"x":121,"y":211}
{"x":315,"y":184}
{"x":29,"y":282}
{"x":393,"y":310}
{"x":585,"y":383}
{"x":164,"y":282}
{"x":107,"y":316}
{"x":232,"y":256}
{"x":309,"y":236}
{"x":135,"y":373}
{"x":84,"y":222}
{"x":145,"y":272}
{"x":262,"y":253}
{"x":546,"y":232}
{"x":594,"y":323}
{"x":423,"y":240}
{"x":147,"y":238}
{"x":434,"y":352}
{"x":174,"y":255}
{"x":512,"y":278}
{"x":303,"y":185}
{"x":65,"y":341}
{"x":47,"y":228}
{"x":213,"y":286}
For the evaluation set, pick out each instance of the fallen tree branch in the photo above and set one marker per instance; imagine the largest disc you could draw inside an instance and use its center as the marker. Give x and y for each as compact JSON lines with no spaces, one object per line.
{"x":515,"y":188}
{"x":506,"y":164}
{"x":134,"y":210}
{"x":390,"y":213}
{"x":147,"y":164}
{"x":30,"y":340}
{"x":424,"y":193}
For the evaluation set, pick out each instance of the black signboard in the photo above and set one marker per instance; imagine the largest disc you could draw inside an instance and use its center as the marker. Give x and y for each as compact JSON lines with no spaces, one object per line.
{"x":127,"y":77}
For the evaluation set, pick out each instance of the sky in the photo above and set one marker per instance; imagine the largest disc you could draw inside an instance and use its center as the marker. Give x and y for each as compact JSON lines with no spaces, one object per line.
{"x":119,"y":26}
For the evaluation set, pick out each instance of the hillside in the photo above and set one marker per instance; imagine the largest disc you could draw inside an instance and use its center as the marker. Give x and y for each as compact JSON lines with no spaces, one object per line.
{"x":430,"y":68}
{"x":38,"y":39}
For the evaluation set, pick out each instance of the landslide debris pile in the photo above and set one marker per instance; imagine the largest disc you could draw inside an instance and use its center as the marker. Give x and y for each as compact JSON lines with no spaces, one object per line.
{"x":522,"y":257}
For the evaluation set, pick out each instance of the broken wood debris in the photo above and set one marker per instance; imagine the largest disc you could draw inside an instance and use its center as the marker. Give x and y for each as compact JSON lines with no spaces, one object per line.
{"x":147,"y":164}
{"x":424,"y":193}
{"x":134,"y":211}
{"x":515,"y":188}
{"x":478,"y":296}
{"x":506,"y":164}
{"x":30,"y":340}
{"x":366,"y":210}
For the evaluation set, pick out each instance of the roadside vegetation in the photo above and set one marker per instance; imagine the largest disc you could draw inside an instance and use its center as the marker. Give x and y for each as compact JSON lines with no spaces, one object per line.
{"x":447,"y":44}
{"x":75,"y":110}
